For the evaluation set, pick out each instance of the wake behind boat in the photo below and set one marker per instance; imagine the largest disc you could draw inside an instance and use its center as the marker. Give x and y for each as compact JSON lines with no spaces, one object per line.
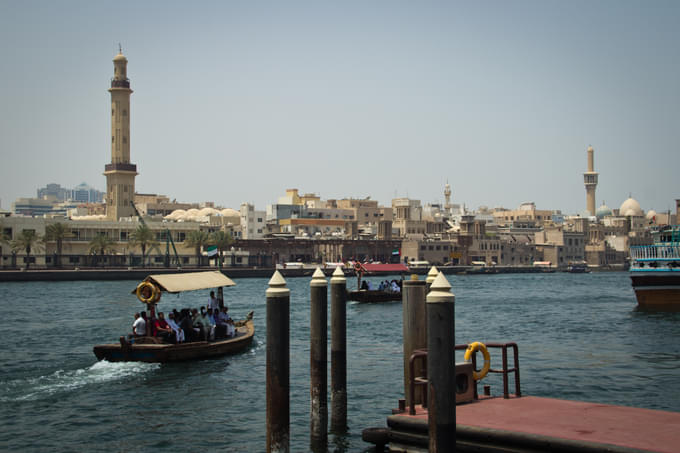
{"x":147,"y":348}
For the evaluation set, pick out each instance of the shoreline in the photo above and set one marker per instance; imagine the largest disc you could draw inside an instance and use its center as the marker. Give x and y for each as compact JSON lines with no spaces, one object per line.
{"x":139,"y":273}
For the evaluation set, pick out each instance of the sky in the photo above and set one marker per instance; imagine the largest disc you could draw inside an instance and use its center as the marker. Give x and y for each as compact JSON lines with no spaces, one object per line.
{"x":237,"y":101}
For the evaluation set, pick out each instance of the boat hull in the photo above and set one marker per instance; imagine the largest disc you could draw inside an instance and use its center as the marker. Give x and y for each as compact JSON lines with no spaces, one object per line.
{"x":373,"y":296}
{"x":164,"y":353}
{"x":657,"y":289}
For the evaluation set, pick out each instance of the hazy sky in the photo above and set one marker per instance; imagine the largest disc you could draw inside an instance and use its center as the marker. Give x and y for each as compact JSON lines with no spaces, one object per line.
{"x":237,"y":101}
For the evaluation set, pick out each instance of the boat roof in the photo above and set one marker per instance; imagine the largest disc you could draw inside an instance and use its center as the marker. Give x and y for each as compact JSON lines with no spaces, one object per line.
{"x":189,"y":281}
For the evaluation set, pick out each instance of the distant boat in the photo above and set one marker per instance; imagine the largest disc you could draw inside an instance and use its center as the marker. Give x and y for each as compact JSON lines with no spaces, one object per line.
{"x":655,"y":270}
{"x":373,"y":295}
{"x":578,"y":268}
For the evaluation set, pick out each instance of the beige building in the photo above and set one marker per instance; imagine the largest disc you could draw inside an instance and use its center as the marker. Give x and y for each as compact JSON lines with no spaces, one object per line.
{"x":526,"y":216}
{"x":559,"y":246}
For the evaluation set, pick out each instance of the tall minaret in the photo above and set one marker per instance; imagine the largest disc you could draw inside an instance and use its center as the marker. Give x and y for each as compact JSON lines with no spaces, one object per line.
{"x":120,"y":173}
{"x":447,"y":196}
{"x":590,"y":181}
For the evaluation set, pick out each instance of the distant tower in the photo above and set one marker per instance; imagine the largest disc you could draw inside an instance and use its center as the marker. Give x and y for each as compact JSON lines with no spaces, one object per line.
{"x":447,"y":196}
{"x":590,"y":181}
{"x":120,"y":173}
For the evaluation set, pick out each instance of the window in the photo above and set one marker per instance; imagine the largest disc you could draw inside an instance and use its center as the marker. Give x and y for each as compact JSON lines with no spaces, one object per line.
{"x":123,"y":235}
{"x":259,"y":219}
{"x":124,"y":112}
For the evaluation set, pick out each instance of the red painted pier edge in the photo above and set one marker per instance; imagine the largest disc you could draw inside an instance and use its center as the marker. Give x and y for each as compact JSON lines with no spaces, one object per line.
{"x":531,"y":424}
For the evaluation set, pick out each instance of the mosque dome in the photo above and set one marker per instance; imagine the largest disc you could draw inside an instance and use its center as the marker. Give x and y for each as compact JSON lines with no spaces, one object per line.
{"x":119,"y":57}
{"x":630,"y":207}
{"x":603,"y":211}
{"x":650,"y":214}
{"x":207,"y":212}
{"x":228,"y":212}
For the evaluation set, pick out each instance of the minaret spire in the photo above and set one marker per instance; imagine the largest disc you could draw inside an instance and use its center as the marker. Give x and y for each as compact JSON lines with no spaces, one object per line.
{"x":120,"y":173}
{"x":590,"y":181}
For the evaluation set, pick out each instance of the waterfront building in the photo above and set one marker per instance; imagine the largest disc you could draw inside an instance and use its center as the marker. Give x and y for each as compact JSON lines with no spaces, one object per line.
{"x":120,"y":173}
{"x":526,"y":216}
{"x":590,"y":181}
{"x":253,"y":224}
{"x":560,"y":246}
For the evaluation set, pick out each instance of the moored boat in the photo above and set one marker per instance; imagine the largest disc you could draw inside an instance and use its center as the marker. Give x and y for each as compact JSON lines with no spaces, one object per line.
{"x":655,"y":270}
{"x":153,"y":349}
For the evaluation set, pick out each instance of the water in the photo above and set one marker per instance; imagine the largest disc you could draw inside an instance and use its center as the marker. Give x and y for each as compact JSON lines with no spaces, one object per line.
{"x":580,"y":337}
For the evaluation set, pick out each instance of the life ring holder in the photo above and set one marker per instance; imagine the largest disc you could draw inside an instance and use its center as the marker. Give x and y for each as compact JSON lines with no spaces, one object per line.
{"x":153,"y":297}
{"x":472,"y":349}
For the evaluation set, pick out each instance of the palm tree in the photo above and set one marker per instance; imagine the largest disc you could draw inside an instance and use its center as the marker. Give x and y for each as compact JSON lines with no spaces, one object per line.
{"x":100,"y":243}
{"x":57,"y":232}
{"x":26,"y":241}
{"x":144,"y":237}
{"x":197,"y":239}
{"x":223,"y":240}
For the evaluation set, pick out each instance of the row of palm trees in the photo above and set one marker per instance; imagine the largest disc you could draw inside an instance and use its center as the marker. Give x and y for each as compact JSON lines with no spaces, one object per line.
{"x":28,"y":241}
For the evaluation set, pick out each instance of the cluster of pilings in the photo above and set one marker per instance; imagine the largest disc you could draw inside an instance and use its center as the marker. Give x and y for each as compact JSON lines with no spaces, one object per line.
{"x":428,"y":308}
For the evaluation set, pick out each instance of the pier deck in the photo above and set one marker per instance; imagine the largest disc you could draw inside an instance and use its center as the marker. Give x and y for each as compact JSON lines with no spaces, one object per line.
{"x":534,"y":424}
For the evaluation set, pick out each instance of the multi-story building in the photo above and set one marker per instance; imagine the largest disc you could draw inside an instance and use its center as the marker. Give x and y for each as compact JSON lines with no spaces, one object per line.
{"x":253,"y":222}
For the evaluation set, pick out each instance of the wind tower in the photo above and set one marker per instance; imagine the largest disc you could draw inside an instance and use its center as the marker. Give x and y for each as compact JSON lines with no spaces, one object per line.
{"x":590,"y":181}
{"x":120,"y":173}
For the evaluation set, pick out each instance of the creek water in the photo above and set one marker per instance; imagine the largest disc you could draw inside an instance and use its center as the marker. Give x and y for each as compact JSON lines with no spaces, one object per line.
{"x":580,"y":337}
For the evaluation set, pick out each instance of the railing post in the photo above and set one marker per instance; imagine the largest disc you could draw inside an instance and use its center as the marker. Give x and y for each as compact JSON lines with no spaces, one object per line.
{"x":441,"y":367}
{"x":318,"y":361}
{"x":338,"y":352}
{"x":414,"y":334}
{"x":278,"y":365}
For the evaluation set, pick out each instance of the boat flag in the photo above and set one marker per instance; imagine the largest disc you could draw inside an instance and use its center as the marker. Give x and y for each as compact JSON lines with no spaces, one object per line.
{"x":211,"y":250}
{"x":396,"y":251}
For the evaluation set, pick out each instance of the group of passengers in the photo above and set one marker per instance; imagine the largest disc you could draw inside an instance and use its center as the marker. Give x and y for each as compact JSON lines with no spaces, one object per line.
{"x":393,"y":286}
{"x":187,"y":325}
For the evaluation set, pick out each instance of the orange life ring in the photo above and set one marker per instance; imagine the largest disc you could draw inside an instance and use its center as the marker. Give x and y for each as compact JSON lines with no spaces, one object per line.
{"x":358,"y":267}
{"x":153,"y":296}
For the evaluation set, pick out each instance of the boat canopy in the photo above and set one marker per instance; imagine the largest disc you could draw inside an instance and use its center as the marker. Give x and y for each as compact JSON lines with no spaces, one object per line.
{"x":189,"y":281}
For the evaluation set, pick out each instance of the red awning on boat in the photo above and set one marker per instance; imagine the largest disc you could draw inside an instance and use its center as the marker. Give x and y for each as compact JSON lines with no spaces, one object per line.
{"x":392,"y":268}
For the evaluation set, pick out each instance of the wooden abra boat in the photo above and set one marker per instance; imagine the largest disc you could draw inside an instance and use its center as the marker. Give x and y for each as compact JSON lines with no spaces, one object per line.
{"x":151,"y":349}
{"x":165,"y":352}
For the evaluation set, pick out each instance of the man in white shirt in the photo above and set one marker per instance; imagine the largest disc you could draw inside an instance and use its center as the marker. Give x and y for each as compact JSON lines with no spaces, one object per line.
{"x":139,"y":326}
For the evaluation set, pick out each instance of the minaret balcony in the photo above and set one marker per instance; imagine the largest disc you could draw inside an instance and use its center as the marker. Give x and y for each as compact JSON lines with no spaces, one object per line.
{"x":120,"y":83}
{"x":120,"y":167}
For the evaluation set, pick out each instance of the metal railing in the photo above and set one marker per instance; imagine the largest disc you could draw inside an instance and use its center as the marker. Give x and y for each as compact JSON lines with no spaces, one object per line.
{"x":421,"y":354}
{"x":655,"y":252}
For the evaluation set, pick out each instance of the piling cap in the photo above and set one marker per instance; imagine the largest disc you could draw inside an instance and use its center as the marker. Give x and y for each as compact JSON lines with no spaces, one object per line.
{"x":432,"y":275}
{"x":277,"y":286}
{"x":440,"y":291}
{"x":338,"y":276}
{"x":318,"y":279}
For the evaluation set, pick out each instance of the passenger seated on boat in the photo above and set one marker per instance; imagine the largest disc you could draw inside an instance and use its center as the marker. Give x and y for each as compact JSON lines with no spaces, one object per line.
{"x":138,"y":326}
{"x":186,"y":324}
{"x":179,"y":333}
{"x":225,"y":326}
{"x":147,"y":324}
{"x":370,"y":286}
{"x":199,"y":327}
{"x":395,"y":287}
{"x":364,"y":285}
{"x":163,"y":330}
{"x":210,"y":322}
